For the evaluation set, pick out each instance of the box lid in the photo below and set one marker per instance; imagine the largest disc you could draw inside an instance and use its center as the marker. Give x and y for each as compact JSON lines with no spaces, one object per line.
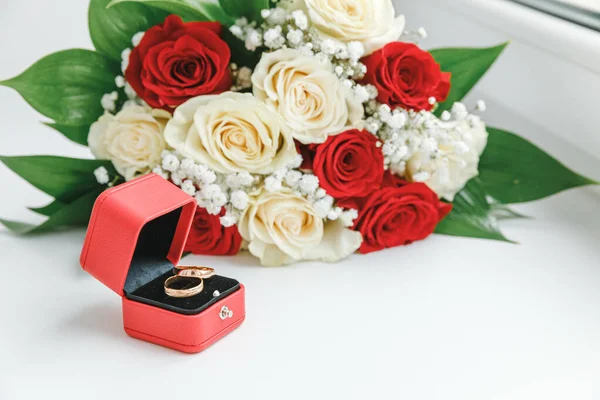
{"x":137,"y":232}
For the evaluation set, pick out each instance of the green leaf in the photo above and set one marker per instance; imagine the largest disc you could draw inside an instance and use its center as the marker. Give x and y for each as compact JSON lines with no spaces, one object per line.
{"x":111,"y":29}
{"x":513,"y":170}
{"x":67,"y":86}
{"x":188,"y":10}
{"x":76,"y":133}
{"x":467,"y":67}
{"x":239,"y":53}
{"x":16,"y":226}
{"x":245,"y":8}
{"x":49,"y":209}
{"x":503,"y":212}
{"x":471,"y":215}
{"x":65,"y":179}
{"x":77,"y":213}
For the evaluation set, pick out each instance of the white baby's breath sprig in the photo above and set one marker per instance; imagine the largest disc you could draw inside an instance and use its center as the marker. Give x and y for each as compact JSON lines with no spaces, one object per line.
{"x":125,"y":54}
{"x":420,"y":147}
{"x":137,"y":38}
{"x":307,"y":185}
{"x":212,"y":190}
{"x":120,"y":81}
{"x":284,"y":29}
{"x":273,"y":37}
{"x":109,"y":101}
{"x":101,"y":174}
{"x":414,"y":36}
{"x":242,"y":78}
{"x":481,"y":106}
{"x":103,"y":177}
{"x":231,"y":192}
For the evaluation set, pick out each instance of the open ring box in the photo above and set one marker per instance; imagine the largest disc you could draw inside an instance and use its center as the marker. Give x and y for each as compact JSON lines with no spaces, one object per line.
{"x":135,"y":238}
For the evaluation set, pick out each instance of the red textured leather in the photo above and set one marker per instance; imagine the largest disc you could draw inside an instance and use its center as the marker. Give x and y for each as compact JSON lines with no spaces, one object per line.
{"x":117,"y":219}
{"x":119,"y":215}
{"x":187,"y":333}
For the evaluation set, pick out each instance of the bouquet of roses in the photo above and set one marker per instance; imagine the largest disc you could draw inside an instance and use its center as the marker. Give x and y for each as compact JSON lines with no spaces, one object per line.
{"x":306,"y":130}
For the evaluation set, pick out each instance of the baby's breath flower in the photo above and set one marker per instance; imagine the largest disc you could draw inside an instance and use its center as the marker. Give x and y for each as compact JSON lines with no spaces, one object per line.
{"x":239,"y":200}
{"x":295,"y":37}
{"x":361,"y":93}
{"x":276,"y":16}
{"x":329,"y":47}
{"x":253,"y":40}
{"x":273,"y":38}
{"x":137,"y":38}
{"x":237,"y":31}
{"x":481,"y":106}
{"x":109,"y":100}
{"x":101,"y":174}
{"x":125,"y":59}
{"x":129,"y":91}
{"x":228,"y":220}
{"x":355,"y":50}
{"x":170,"y":163}
{"x":308,"y":184}
{"x":120,"y":81}
{"x":161,"y":172}
{"x":292,"y":178}
{"x":300,"y":19}
{"x":272,"y":184}
{"x":442,"y":152}
{"x":188,"y":187}
{"x":187,"y":166}
{"x":242,"y":78}
{"x":347,"y":217}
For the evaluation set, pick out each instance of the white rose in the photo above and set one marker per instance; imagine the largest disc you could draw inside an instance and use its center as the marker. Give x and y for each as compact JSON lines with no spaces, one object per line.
{"x":132,"y":139}
{"x":282,"y":228}
{"x":371,"y":22}
{"x":231,"y":132}
{"x":311,"y":99}
{"x":456,"y":165}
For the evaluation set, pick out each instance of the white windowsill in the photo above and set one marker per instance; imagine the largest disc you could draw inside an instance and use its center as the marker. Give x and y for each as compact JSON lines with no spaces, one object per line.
{"x":563,"y":39}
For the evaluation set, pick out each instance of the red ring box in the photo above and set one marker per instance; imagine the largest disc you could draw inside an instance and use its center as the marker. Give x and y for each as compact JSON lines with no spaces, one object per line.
{"x":136,"y":236}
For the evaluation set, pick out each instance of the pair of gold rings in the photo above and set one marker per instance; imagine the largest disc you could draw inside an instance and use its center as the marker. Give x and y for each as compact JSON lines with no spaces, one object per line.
{"x":185,"y":273}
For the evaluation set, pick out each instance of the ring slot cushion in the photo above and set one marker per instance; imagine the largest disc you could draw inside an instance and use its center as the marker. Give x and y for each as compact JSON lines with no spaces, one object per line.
{"x":135,"y":238}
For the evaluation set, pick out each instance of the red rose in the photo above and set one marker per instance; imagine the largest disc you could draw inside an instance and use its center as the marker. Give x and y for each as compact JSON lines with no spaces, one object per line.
{"x":349,"y":164}
{"x":307,"y":151}
{"x":406,"y":76}
{"x":209,"y":237}
{"x":176,"y":61}
{"x":397,"y":215}
{"x":391,"y":180}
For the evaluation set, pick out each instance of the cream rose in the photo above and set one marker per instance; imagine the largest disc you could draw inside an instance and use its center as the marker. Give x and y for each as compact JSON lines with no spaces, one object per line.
{"x":371,"y":22}
{"x":231,"y":132}
{"x":282,"y":228}
{"x":132,"y":139}
{"x":449,"y":172}
{"x":311,"y":99}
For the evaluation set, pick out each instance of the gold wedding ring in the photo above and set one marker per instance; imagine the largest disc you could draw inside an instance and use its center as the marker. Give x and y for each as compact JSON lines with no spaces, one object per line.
{"x":184,"y":272}
{"x":195,"y":272}
{"x":183,"y":293}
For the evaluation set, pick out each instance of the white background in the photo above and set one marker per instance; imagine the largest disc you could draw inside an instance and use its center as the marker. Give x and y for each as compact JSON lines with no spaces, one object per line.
{"x":447,"y":318}
{"x":593,"y":5}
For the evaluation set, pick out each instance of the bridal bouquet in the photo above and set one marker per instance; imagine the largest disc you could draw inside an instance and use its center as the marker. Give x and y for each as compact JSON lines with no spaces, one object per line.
{"x":306,"y":130}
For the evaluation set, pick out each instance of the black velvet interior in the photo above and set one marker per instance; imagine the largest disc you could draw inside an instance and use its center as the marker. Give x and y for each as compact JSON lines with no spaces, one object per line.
{"x":150,"y":258}
{"x":153,"y":293}
{"x":150,"y":268}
